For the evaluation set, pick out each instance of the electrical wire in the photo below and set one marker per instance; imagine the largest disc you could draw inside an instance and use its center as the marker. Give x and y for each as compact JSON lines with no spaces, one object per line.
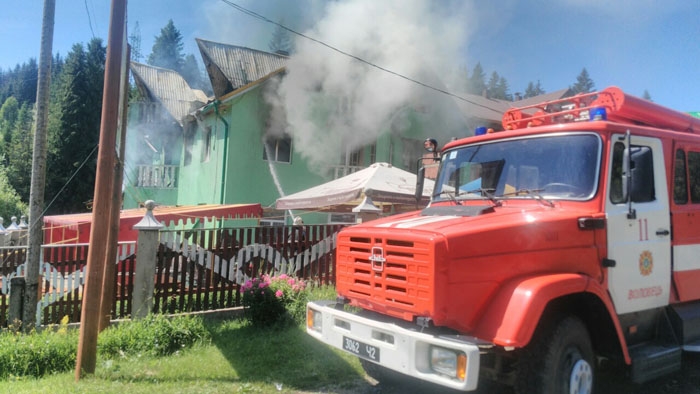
{"x":263,"y":18}
{"x":35,"y":220}
{"x":87,"y":10}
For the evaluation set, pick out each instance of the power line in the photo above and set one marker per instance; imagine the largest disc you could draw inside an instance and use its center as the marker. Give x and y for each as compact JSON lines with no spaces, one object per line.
{"x":263,"y":18}
{"x":87,"y":10}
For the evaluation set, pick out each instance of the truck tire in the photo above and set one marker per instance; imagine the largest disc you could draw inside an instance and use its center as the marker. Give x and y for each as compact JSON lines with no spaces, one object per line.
{"x":559,"y":360}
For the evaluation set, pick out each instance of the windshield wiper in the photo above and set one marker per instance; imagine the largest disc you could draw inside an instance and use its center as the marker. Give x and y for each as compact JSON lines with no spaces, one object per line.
{"x":448,"y":194}
{"x":488,"y":193}
{"x":535,"y":193}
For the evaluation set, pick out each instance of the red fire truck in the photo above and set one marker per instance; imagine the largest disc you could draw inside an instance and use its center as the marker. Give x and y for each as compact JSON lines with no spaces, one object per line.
{"x":570,"y":238}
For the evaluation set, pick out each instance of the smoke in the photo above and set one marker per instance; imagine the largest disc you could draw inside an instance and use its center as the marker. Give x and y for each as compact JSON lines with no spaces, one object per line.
{"x":329,"y":100}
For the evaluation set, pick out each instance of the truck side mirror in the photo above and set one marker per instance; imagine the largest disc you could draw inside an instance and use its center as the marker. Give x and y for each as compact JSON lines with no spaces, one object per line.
{"x":420,"y":180}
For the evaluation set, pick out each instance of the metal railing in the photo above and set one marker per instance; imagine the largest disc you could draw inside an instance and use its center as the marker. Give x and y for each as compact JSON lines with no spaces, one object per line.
{"x":157,"y":176}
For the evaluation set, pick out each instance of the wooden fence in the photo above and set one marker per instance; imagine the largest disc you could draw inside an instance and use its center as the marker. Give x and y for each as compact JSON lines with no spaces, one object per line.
{"x":196,"y":270}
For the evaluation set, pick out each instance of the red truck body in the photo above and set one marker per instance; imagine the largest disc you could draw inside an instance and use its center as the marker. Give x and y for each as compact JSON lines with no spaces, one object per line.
{"x":568,"y":238}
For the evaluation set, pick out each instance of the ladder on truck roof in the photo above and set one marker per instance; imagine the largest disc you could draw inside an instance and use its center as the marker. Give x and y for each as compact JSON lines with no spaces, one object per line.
{"x":609,"y":104}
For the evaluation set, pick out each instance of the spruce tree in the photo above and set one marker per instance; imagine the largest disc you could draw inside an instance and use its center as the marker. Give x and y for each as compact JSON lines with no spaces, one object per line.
{"x":167,"y":49}
{"x":584,"y":83}
{"x":74,"y":129}
{"x":280,"y":41}
{"x":19,"y":152}
{"x":477,"y":81}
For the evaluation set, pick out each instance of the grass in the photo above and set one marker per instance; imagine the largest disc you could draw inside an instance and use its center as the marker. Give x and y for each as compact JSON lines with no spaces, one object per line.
{"x":235,"y":357}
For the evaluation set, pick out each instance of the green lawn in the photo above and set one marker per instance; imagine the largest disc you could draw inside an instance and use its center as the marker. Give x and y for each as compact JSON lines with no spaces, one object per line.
{"x":237,"y":359}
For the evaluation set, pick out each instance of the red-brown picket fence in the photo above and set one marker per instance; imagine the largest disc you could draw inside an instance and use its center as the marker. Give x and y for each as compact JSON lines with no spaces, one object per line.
{"x":196,"y":270}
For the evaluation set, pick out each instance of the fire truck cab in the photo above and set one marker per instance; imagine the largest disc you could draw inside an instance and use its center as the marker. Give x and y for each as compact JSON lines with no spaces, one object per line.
{"x":570,"y":237}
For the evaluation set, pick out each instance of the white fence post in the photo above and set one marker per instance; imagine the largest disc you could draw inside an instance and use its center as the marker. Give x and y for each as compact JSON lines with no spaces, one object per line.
{"x":145,"y":270}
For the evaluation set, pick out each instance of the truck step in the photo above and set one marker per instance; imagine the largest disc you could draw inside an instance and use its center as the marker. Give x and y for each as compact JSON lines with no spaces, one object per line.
{"x":652,"y":360}
{"x":686,"y":321}
{"x":693,"y":347}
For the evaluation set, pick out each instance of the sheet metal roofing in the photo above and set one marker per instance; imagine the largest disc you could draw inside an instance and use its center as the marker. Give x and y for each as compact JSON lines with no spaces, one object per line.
{"x":170,"y":89}
{"x":492,"y":110}
{"x":231,"y":67}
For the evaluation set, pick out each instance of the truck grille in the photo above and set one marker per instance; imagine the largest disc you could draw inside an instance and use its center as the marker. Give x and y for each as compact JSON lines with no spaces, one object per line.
{"x":385,"y":273}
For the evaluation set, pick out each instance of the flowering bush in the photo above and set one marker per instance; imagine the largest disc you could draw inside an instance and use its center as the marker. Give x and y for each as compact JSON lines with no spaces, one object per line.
{"x":271,"y":300}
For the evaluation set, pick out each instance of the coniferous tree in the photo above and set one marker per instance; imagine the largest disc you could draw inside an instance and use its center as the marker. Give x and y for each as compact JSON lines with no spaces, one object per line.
{"x":9,"y":113}
{"x":135,"y":43}
{"x":167,"y":49}
{"x":19,"y":152}
{"x":646,"y":95}
{"x":10,"y":202}
{"x":280,"y":42}
{"x":533,"y":89}
{"x":26,"y":82}
{"x":167,"y":53}
{"x":584,"y":83}
{"x":193,"y":75}
{"x":74,"y":128}
{"x":477,"y":81}
{"x":492,"y":85}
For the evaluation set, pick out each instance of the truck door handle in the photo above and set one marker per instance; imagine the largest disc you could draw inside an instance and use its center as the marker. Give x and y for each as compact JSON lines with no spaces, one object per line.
{"x":662,"y":232}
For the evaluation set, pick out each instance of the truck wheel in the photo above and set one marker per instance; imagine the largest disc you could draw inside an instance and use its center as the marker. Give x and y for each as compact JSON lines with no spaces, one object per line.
{"x":559,"y":360}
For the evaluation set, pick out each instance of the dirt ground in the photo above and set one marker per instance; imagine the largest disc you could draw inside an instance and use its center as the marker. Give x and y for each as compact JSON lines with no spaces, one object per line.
{"x":685,"y":381}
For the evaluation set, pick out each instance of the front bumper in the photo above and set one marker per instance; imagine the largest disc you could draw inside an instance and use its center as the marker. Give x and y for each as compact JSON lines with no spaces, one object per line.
{"x":392,"y":346}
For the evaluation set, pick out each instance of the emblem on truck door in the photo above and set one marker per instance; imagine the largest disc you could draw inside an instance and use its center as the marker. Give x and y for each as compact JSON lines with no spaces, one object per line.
{"x":377,"y":258}
{"x":646,"y":263}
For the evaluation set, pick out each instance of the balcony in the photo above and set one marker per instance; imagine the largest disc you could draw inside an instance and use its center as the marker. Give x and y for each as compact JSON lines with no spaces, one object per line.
{"x":158,"y":176}
{"x":341,"y":171}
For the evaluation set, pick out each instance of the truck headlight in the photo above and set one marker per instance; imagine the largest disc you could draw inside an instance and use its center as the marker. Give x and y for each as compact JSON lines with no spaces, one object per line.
{"x":313,"y":319}
{"x":448,"y":362}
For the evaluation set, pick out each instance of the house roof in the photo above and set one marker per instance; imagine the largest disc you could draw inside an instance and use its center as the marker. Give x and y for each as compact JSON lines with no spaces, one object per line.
{"x":230,"y":67}
{"x":492,"y":110}
{"x":169,"y":88}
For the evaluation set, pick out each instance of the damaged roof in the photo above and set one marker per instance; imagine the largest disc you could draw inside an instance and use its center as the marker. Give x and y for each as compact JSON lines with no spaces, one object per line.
{"x":169,"y":89}
{"x":231,"y":67}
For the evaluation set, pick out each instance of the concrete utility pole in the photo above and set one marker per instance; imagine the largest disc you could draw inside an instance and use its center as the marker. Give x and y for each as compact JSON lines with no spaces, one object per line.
{"x":36,"y":192}
{"x":102,"y":201}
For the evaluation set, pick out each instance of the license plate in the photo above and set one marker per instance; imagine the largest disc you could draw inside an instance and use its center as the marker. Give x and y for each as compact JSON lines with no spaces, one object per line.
{"x":361,"y":349}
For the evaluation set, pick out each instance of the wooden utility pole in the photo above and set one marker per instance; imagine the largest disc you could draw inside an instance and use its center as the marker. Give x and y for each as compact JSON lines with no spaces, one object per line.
{"x":36,"y":191}
{"x":113,"y":237}
{"x":102,"y":201}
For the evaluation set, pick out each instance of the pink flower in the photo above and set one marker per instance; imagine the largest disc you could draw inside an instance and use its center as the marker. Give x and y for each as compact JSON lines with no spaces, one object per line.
{"x":283,"y":276}
{"x":279,"y":293}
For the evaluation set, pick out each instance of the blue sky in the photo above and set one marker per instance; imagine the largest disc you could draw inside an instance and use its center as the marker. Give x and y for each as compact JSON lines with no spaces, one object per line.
{"x":636,"y":45}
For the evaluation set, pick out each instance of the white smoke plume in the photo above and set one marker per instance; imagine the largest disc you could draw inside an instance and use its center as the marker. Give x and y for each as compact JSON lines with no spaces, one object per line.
{"x":330,"y":101}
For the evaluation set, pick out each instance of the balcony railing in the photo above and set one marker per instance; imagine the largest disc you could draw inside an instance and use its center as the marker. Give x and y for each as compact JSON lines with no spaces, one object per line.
{"x":341,"y":171}
{"x":163,"y":177}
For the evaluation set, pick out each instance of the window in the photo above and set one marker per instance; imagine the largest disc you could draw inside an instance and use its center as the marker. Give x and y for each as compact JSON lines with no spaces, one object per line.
{"x":278,"y":149}
{"x":694,"y":176}
{"x":641,"y":171}
{"x":680,"y":179}
{"x":188,"y":143}
{"x":206,"y":144}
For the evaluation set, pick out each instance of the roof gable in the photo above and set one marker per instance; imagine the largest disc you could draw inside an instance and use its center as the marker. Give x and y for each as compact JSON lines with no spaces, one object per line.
{"x":169,"y":89}
{"x":231,"y":67}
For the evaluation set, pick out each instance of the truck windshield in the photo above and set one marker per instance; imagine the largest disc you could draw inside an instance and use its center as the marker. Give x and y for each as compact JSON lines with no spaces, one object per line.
{"x":555,"y":166}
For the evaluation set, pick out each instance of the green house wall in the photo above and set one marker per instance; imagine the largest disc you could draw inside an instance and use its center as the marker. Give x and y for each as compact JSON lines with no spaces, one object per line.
{"x":234,"y":171}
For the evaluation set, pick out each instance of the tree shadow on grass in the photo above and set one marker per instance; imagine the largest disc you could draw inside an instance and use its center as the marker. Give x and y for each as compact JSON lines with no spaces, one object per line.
{"x":285,"y":356}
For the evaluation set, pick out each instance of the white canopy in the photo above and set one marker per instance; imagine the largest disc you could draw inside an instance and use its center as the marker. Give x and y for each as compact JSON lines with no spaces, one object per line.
{"x":382,"y":182}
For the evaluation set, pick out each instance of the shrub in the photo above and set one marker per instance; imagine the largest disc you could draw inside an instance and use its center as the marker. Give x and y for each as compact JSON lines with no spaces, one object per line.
{"x":274,"y":301}
{"x":38,"y":353}
{"x":154,"y":335}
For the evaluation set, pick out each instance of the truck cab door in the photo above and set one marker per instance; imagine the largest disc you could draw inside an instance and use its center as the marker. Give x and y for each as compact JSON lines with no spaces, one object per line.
{"x":638,"y":225}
